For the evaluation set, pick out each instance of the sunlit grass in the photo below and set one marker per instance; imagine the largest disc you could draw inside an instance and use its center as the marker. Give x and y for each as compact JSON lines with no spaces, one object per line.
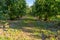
{"x":27,"y":29}
{"x":18,"y":34}
{"x":13,"y":34}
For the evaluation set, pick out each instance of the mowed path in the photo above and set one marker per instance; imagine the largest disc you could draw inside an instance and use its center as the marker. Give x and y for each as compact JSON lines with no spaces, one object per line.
{"x":19,"y":30}
{"x":26,"y":29}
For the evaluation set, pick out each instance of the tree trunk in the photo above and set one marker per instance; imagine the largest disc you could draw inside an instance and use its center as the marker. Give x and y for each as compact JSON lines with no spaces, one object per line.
{"x":46,"y":18}
{"x":40,"y":18}
{"x":17,"y":16}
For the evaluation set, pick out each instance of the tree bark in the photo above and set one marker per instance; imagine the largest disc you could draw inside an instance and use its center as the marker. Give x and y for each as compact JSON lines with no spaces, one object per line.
{"x":46,"y":18}
{"x":40,"y":18}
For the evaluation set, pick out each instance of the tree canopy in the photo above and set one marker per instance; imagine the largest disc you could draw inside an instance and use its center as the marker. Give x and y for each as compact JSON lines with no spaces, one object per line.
{"x":45,"y":8}
{"x":13,"y":8}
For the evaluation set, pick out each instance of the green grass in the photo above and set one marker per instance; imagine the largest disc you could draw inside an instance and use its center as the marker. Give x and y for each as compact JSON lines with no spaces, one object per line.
{"x":28,"y":29}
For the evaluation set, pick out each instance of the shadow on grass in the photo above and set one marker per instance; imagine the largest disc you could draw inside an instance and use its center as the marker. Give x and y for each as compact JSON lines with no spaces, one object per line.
{"x":31,"y":23}
{"x":34,"y":26}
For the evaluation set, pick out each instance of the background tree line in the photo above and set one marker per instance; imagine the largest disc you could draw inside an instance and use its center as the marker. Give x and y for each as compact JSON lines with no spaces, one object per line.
{"x":43,"y":9}
{"x":12,"y":9}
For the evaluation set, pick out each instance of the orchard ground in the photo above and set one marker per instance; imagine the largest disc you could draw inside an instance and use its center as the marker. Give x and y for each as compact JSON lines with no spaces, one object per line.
{"x":28,"y":28}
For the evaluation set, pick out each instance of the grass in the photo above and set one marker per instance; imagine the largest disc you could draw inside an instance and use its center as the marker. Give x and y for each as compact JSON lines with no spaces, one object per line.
{"x":29,"y":29}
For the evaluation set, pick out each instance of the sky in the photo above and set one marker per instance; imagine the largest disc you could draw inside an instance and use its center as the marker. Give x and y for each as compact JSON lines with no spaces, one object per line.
{"x":29,"y":2}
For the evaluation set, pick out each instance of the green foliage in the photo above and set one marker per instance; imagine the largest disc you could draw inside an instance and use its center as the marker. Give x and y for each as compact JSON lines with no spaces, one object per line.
{"x":3,"y":10}
{"x":16,"y":8}
{"x":45,"y":8}
{"x":12,"y":8}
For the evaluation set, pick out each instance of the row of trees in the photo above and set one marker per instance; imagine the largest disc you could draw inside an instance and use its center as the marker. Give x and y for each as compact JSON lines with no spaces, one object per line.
{"x":12,"y":9}
{"x":46,"y":9}
{"x":43,"y":9}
